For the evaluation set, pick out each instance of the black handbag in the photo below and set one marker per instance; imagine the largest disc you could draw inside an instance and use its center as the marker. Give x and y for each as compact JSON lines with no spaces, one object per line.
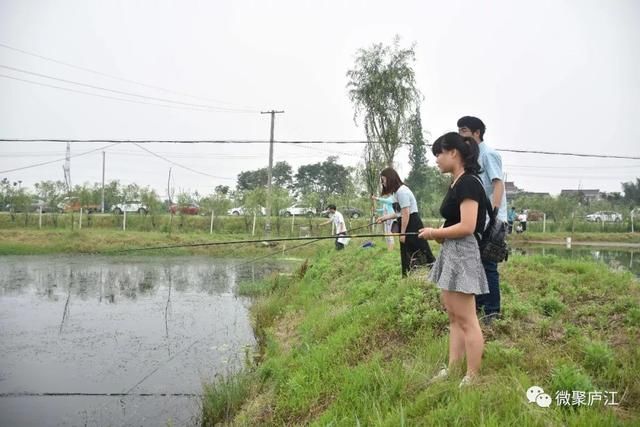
{"x":492,"y":241}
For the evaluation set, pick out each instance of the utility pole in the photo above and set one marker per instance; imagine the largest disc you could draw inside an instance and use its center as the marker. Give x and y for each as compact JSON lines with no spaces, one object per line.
{"x":267,"y":225}
{"x":67,"y":169}
{"x":169,"y":188}
{"x":103,"y":162}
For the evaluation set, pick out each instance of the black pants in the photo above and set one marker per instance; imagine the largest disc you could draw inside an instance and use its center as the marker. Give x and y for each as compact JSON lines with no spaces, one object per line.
{"x":340,"y":246}
{"x":414,"y":251}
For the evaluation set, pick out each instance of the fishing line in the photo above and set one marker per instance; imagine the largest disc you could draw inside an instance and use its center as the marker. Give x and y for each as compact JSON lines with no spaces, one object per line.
{"x":240,"y":242}
{"x":295,"y":247}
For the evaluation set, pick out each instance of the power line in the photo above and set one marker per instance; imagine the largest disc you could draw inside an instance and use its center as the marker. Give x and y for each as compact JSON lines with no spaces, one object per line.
{"x":183,"y":141}
{"x":100,"y":73}
{"x":293,"y":142}
{"x":343,"y":153}
{"x":131,"y":153}
{"x":111,"y":145}
{"x":513,"y":168}
{"x":600,"y":156}
{"x":58,"y":160}
{"x":121,"y":92}
{"x":571,"y":167}
{"x":102,"y":96}
{"x":180,"y":165}
{"x":583,"y":177}
{"x":209,"y":156}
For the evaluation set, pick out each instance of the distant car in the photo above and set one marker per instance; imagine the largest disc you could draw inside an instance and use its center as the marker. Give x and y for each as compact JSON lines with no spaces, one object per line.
{"x":242,"y":211}
{"x":188,"y":209}
{"x":34,"y":206}
{"x":604,"y":216}
{"x":72,"y":204}
{"x":352,"y":213}
{"x":297,"y":210}
{"x":236,"y":211}
{"x":132,"y":206}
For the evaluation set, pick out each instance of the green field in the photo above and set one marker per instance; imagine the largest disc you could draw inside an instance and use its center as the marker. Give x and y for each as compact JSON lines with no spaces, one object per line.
{"x":345,"y":341}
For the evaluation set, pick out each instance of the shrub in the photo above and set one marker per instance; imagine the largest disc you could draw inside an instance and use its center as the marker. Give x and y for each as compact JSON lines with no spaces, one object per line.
{"x":551,"y":305}
{"x":598,"y":356}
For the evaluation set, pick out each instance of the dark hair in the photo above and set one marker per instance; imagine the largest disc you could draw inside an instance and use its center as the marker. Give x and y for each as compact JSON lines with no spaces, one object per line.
{"x":465,"y":145}
{"x":393,"y":181}
{"x":473,"y":124}
{"x":331,"y":207}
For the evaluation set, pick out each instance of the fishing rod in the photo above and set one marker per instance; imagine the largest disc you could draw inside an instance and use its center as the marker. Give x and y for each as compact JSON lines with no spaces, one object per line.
{"x":282,"y":239}
{"x":298,"y":246}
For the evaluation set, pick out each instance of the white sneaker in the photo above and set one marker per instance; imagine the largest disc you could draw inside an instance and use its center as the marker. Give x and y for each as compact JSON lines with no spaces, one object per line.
{"x":467,"y":380}
{"x":443,"y":374}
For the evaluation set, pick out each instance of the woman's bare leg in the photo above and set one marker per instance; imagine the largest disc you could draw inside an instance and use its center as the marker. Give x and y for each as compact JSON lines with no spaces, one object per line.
{"x":464,"y":308}
{"x":456,"y":334}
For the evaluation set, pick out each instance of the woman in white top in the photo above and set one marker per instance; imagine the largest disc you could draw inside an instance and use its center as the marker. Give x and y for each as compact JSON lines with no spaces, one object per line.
{"x":411,"y":248}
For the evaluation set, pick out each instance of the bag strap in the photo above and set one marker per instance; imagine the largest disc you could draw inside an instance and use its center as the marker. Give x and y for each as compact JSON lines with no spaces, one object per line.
{"x":493,"y":213}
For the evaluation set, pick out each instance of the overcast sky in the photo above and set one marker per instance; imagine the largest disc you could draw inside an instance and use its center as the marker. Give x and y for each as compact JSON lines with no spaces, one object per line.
{"x":543,"y":75}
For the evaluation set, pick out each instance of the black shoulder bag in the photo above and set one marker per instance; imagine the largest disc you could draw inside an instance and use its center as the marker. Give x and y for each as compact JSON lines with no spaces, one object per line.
{"x":492,"y":241}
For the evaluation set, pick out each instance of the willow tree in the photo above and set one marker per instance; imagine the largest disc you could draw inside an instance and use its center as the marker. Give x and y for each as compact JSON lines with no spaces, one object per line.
{"x":372,"y":166}
{"x":383,"y":90}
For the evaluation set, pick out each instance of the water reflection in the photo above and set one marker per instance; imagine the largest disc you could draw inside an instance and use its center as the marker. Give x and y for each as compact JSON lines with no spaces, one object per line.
{"x":109,"y":325}
{"x":615,"y":258}
{"x":96,"y":277}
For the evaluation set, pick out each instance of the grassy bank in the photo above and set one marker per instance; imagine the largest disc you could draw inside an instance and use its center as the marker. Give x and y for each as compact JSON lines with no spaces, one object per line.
{"x":345,"y":342}
{"x":38,"y":242}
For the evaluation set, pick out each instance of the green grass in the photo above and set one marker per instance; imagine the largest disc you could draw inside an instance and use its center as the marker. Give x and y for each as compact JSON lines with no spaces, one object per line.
{"x":345,"y":341}
{"x":224,"y":397}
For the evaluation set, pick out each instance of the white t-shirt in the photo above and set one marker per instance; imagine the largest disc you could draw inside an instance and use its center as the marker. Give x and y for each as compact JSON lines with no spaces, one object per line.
{"x":338,"y":221}
{"x":405,"y":198}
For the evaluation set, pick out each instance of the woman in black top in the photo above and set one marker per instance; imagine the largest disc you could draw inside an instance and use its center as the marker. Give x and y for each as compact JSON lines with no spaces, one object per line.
{"x":458,"y":271}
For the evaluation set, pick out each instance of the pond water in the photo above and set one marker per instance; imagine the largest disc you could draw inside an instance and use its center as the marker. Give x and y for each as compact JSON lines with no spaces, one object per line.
{"x":616,"y":258}
{"x":149,"y":329}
